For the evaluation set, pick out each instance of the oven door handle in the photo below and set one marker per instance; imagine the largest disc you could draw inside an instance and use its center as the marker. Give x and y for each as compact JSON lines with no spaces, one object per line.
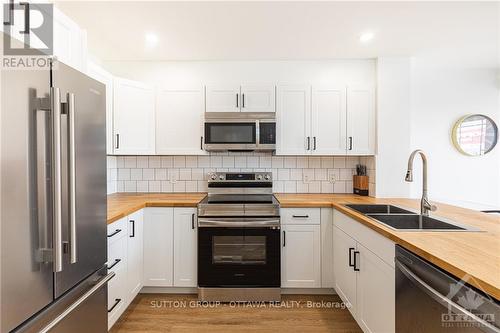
{"x":206,"y":222}
{"x":441,"y":299}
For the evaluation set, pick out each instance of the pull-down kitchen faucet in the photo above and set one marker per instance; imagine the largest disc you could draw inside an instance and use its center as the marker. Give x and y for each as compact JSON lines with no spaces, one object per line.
{"x":425,"y":205}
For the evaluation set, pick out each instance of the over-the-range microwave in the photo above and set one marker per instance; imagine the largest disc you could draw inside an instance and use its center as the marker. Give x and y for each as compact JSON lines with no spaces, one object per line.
{"x":239,"y":131}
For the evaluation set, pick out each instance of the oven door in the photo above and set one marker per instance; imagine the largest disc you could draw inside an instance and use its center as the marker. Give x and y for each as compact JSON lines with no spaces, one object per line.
{"x":239,"y":256}
{"x":230,"y":135}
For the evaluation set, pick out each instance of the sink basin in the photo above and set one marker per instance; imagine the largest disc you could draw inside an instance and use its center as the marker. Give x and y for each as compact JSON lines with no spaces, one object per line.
{"x":416,"y":222}
{"x":379,"y":209}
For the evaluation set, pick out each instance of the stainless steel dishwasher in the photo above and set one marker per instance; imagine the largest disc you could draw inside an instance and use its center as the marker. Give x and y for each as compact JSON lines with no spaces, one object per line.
{"x":429,"y":300}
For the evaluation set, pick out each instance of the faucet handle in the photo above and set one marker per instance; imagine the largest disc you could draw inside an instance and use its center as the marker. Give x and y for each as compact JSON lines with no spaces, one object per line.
{"x":433,"y":208}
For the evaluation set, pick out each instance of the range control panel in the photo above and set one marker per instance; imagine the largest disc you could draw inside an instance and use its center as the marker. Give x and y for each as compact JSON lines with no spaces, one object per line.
{"x":240,"y":177}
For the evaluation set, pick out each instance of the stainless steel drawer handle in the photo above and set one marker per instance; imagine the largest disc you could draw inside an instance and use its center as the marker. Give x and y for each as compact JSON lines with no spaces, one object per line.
{"x":117,"y":301}
{"x":436,"y":296}
{"x":82,"y":299}
{"x":115,"y":263}
{"x":114,"y":233}
{"x":301,"y":216}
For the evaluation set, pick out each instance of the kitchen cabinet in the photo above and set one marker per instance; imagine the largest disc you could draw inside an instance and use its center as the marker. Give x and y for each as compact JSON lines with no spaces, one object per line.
{"x":179,"y":121}
{"x":301,"y":248}
{"x":158,"y":247}
{"x":327,"y":252}
{"x":134,"y":253}
{"x":244,"y":98}
{"x":293,"y":119}
{"x":185,"y":247}
{"x":325,"y":120}
{"x":364,"y":274}
{"x":100,"y":74}
{"x":360,"y":120}
{"x":133,"y":118}
{"x":70,"y":42}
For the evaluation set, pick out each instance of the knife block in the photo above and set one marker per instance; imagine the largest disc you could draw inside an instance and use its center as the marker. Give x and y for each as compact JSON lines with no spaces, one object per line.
{"x":360,"y":185}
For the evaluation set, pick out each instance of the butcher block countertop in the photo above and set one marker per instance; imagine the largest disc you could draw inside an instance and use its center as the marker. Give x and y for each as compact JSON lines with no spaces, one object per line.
{"x":473,"y":256}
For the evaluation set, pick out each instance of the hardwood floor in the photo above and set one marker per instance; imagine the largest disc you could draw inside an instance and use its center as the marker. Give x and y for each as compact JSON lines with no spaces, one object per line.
{"x":181,"y":314}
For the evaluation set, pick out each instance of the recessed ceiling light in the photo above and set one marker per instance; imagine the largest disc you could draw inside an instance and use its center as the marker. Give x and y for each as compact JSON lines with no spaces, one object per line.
{"x":365,"y":37}
{"x":151,"y":39}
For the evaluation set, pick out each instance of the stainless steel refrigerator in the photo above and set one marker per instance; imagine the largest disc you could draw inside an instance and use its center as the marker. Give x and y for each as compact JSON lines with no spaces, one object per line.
{"x":53,"y":202}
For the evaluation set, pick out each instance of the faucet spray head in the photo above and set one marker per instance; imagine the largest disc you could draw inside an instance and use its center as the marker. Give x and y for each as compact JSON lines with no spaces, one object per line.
{"x":409,"y":176}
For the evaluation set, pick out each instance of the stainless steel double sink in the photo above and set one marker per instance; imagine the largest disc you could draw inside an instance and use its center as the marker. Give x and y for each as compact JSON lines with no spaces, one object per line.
{"x":403,"y":219}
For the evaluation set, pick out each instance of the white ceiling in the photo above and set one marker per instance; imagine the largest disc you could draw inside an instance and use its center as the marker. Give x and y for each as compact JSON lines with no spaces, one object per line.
{"x":285,"y":30}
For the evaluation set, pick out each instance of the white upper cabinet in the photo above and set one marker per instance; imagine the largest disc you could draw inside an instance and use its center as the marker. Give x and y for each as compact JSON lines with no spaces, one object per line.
{"x":179,"y":121}
{"x":258,"y":98}
{"x":236,"y":98}
{"x":328,"y":120}
{"x":70,"y":42}
{"x":293,"y":119}
{"x":223,"y":98}
{"x":133,"y":118}
{"x":360,"y":120}
{"x":101,"y":75}
{"x":185,"y":247}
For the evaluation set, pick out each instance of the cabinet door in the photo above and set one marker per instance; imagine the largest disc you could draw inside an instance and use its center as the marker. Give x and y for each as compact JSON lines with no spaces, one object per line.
{"x":106,"y":78}
{"x":258,"y":98}
{"x":375,"y":293}
{"x":293,"y":120}
{"x":360,"y":121}
{"x":223,"y":98}
{"x":327,"y":274}
{"x":158,"y":247}
{"x":328,"y":120}
{"x":134,"y":118}
{"x":70,"y":42}
{"x":301,"y":256}
{"x":134,"y":253}
{"x":179,"y":121}
{"x":185,"y":247}
{"x":345,"y":276}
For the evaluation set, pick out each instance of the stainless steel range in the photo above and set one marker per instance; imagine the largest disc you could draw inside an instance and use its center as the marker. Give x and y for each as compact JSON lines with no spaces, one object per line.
{"x":239,"y":239}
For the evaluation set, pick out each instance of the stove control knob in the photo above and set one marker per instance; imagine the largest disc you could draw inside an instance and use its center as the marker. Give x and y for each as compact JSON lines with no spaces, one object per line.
{"x":213,"y":177}
{"x":259,"y":177}
{"x":221,"y":177}
{"x":267,"y":177}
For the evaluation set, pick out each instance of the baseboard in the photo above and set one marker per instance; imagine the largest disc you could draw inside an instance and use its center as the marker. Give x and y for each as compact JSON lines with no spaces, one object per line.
{"x":191,"y":290}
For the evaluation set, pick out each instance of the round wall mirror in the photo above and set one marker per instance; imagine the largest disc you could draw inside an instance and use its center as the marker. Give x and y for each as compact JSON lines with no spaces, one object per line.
{"x":475,"y":135}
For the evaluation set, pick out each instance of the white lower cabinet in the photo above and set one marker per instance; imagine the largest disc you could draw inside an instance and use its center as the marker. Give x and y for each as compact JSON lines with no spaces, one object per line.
{"x":134,"y":253}
{"x":158,"y":247}
{"x":185,"y":247}
{"x":364,"y":276}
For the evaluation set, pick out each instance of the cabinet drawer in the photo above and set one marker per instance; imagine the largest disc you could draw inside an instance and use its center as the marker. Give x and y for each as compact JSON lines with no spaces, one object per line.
{"x":117,"y":230}
{"x":300,"y":216}
{"x":117,"y":296}
{"x":117,"y":254}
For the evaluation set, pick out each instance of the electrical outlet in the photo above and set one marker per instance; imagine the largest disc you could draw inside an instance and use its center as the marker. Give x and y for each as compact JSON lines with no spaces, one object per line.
{"x":332,"y":176}
{"x":306,"y":177}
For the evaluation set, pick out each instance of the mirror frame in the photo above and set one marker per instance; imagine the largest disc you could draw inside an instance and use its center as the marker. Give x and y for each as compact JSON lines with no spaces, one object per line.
{"x":457,"y":125}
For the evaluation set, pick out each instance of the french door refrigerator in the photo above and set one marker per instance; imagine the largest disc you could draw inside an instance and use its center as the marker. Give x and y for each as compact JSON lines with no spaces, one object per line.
{"x":53,"y":202}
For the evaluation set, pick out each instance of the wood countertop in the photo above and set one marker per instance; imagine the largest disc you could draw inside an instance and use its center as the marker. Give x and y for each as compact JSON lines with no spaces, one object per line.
{"x":123,"y":204}
{"x":472,"y":256}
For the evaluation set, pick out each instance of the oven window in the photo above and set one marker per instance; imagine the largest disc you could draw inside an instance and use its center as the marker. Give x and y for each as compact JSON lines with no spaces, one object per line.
{"x":239,"y":250}
{"x":230,"y":133}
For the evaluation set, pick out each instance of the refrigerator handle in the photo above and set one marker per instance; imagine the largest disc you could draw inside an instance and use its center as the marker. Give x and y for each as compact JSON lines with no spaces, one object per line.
{"x":55,"y":105}
{"x":72,"y":178}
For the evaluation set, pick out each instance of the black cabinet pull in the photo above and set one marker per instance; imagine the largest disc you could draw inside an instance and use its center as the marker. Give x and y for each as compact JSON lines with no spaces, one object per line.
{"x":284,"y":238}
{"x":115,"y":263}
{"x":301,"y":216}
{"x":350,"y":257}
{"x":117,"y":301}
{"x":237,"y":98}
{"x":355,"y":261}
{"x":314,"y":143}
{"x":192,"y":221}
{"x":114,"y":233}
{"x":242,"y":100}
{"x":133,"y":228}
{"x":201,"y":143}
{"x":117,"y":141}
{"x":350,"y":143}
{"x":308,"y":143}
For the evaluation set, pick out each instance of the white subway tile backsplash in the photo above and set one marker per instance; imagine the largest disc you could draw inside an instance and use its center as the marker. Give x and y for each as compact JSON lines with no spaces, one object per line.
{"x":291,"y":174}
